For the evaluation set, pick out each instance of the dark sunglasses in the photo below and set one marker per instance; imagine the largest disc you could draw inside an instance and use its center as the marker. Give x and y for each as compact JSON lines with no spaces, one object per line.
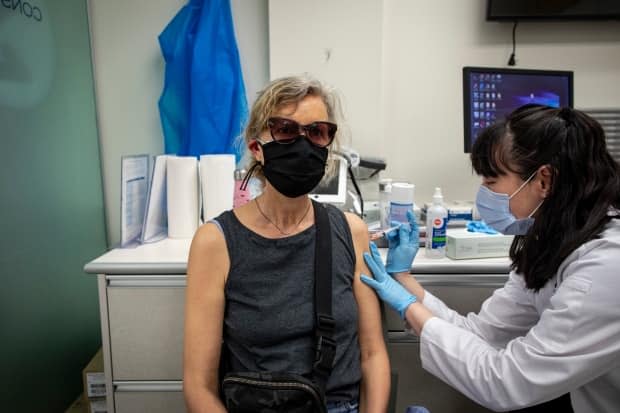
{"x":286,"y":131}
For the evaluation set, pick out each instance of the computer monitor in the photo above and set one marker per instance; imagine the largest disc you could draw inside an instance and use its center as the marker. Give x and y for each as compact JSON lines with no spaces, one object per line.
{"x":333,"y":191}
{"x":489,"y":94}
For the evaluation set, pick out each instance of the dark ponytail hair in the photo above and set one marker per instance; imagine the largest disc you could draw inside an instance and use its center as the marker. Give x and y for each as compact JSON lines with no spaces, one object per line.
{"x":585,"y":182}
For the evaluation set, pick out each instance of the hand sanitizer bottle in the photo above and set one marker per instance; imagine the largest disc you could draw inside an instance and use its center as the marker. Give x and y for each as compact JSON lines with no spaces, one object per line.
{"x":436,"y":223}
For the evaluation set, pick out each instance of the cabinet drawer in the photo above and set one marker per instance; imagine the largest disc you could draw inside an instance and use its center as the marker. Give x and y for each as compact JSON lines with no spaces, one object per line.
{"x":462,"y":295}
{"x":415,"y":386}
{"x":149,"y":402}
{"x":146,"y":332}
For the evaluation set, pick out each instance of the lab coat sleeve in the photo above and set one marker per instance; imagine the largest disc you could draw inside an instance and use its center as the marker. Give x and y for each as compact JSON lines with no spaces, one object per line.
{"x":507,"y":314}
{"x":576,"y":340}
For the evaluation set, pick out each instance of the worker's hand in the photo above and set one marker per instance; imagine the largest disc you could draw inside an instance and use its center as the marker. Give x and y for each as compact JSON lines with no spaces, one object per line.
{"x":403,"y":245}
{"x":388,"y":289}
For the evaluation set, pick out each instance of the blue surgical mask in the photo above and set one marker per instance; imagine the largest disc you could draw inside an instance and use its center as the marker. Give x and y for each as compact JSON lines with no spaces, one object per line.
{"x":494,"y":209}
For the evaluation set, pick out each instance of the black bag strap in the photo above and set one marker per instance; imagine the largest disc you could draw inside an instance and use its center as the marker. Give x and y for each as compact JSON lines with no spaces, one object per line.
{"x":325,"y":325}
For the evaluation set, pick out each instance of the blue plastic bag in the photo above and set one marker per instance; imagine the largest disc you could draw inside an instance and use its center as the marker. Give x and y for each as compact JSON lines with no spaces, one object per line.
{"x":203,"y":106}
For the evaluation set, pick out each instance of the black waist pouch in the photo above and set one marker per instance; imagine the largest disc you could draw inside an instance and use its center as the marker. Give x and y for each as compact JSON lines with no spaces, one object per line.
{"x":250,"y":392}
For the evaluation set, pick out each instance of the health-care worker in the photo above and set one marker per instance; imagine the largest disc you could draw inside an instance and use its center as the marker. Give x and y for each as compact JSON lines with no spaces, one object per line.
{"x":554,"y":327}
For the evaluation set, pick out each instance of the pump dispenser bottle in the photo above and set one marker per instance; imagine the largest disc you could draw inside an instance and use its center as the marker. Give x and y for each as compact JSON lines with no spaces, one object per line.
{"x":436,"y":223}
{"x":240,"y":196}
{"x":385,"y":188}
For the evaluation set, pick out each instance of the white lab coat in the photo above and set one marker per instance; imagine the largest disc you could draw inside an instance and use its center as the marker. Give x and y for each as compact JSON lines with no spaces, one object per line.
{"x":524,"y":348}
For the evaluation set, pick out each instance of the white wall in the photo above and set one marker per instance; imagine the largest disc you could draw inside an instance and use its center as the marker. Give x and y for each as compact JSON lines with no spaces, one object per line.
{"x":417,"y":67}
{"x":128,"y":70}
{"x":338,"y":42}
{"x":397,"y":64}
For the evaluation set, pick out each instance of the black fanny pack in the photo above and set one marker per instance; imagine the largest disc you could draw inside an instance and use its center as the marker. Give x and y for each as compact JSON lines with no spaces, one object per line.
{"x":251,"y":392}
{"x":282,"y":392}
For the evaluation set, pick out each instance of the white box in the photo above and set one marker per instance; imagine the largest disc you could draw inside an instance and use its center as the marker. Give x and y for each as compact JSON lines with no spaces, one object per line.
{"x":459,"y":212}
{"x":462,"y":244}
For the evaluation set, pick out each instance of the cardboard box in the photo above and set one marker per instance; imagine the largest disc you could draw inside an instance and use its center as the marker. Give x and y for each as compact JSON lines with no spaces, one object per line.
{"x":98,"y":406}
{"x":93,"y":378}
{"x":462,"y":244}
{"x":84,"y":405}
{"x":78,"y":406}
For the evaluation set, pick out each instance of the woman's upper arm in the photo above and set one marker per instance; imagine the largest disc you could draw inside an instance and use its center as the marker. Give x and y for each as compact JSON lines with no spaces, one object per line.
{"x":207,"y":269}
{"x":369,"y":311}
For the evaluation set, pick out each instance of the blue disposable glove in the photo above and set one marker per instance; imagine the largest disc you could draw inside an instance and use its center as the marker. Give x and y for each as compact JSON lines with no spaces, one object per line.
{"x":403,"y":245}
{"x":480,"y":226}
{"x":388,"y":289}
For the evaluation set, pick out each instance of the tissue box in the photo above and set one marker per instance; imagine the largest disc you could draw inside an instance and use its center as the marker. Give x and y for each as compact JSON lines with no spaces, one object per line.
{"x":462,"y":244}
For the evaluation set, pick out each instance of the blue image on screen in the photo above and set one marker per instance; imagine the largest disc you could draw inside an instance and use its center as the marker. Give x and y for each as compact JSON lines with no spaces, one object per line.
{"x":501,"y":93}
{"x":544,"y":98}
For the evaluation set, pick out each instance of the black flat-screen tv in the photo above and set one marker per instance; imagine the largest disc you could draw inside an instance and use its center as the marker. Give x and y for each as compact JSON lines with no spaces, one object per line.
{"x":513,"y":10}
{"x":489,"y":94}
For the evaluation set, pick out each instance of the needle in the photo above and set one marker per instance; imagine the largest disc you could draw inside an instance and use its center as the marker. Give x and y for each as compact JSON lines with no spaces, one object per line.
{"x":385,"y":231}
{"x":376,"y":234}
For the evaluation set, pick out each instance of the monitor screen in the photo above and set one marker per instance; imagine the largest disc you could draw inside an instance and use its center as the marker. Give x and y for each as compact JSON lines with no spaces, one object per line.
{"x":489,"y":94}
{"x":333,"y":191}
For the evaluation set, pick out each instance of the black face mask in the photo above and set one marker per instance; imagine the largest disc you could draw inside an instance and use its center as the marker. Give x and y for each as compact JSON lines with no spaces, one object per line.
{"x":294,"y":169}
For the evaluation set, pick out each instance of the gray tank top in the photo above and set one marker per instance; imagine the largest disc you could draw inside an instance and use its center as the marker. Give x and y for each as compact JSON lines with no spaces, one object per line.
{"x":269,"y":316}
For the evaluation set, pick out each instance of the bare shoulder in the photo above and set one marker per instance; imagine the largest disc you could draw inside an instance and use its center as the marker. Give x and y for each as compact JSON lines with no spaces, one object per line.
{"x":207,"y":238}
{"x":208,"y":254}
{"x":359,"y":229}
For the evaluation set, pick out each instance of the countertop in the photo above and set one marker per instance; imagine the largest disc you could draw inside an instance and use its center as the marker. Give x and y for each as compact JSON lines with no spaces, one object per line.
{"x":169,"y":256}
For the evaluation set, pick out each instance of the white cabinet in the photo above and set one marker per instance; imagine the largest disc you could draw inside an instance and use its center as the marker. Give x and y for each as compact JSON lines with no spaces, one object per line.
{"x":146,"y":331}
{"x":150,"y":397}
{"x":141,"y":301}
{"x":414,"y":386}
{"x":143,"y":334}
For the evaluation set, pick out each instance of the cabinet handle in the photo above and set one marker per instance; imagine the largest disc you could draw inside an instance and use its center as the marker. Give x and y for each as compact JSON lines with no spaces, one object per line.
{"x":463,"y":280}
{"x":402,"y":337}
{"x":460,"y":284}
{"x":148,"y":386}
{"x":146,"y":280}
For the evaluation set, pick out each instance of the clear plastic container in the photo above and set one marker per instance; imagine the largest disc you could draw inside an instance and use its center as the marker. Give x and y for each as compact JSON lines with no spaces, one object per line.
{"x":401,"y":201}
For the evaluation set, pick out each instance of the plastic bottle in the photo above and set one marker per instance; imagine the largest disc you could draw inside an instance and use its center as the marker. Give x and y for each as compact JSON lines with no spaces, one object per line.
{"x":385,"y":187}
{"x":401,"y":201}
{"x":240,"y":196}
{"x":436,"y":223}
